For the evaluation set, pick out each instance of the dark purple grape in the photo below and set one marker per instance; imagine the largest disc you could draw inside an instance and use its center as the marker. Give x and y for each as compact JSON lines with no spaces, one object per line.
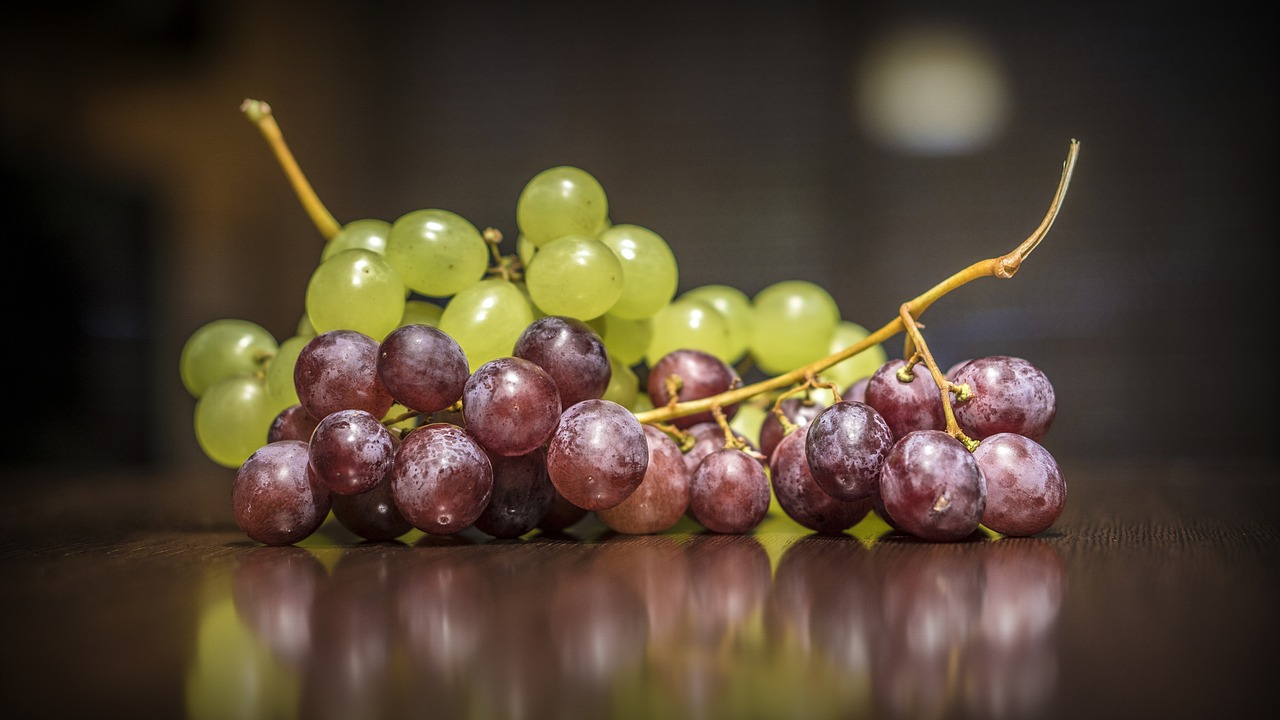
{"x":511,"y":406}
{"x":561,"y":515}
{"x":701,"y":375}
{"x":522,"y":494}
{"x":801,"y":498}
{"x":800,"y":411}
{"x":422,"y":367}
{"x":1009,"y":394}
{"x":276,"y":497}
{"x":351,"y":451}
{"x":906,"y":406}
{"x":1025,"y":489}
{"x":857,"y":391}
{"x":571,"y":352}
{"x":338,"y":370}
{"x":292,"y":423}
{"x":932,"y":487}
{"x":663,"y":495}
{"x":372,"y":514}
{"x":598,"y":454}
{"x":846,"y":447}
{"x":707,"y":438}
{"x":729,"y":492}
{"x":442,"y":479}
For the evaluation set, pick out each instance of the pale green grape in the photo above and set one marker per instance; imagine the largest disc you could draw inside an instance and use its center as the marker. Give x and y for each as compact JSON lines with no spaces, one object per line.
{"x":437,"y":252}
{"x":847,"y":372}
{"x":561,"y":201}
{"x":689,"y":324}
{"x":355,"y":290}
{"x":576,"y":276}
{"x":363,"y":234}
{"x":281,"y":392}
{"x":649,"y":272}
{"x":793,"y":321}
{"x":305,"y":328}
{"x":486,"y":319}
{"x":628,"y":340}
{"x":221,"y":349}
{"x":624,"y":386}
{"x":232,"y":418}
{"x":525,"y":250}
{"x":421,"y":312}
{"x":642,"y":403}
{"x":736,"y":308}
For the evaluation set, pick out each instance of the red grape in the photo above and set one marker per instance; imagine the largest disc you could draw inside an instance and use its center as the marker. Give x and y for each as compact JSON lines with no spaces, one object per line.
{"x":932,"y":487}
{"x":276,"y":497}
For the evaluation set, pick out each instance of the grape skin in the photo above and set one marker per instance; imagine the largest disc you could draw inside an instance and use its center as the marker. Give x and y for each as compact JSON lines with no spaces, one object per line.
{"x":292,"y":423}
{"x":372,"y":514}
{"x":663,"y":495}
{"x":800,"y":496}
{"x":276,"y":497}
{"x":846,"y":448}
{"x":932,"y":487}
{"x":708,"y":437}
{"x":571,"y":352}
{"x":522,"y":494}
{"x":799,"y":411}
{"x":422,"y":367}
{"x":729,"y":492}
{"x":916,"y":405}
{"x":1009,"y":395}
{"x":701,"y":375}
{"x":598,"y":455}
{"x":351,"y":451}
{"x":442,"y":479}
{"x":511,"y":406}
{"x":1025,"y":488}
{"x":338,"y":370}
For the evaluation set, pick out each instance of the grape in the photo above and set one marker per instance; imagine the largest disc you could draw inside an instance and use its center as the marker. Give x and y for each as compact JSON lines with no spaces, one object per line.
{"x":232,"y":419}
{"x":221,"y":349}
{"x":279,"y":377}
{"x":1009,"y":394}
{"x":906,"y":406}
{"x":574,"y":275}
{"x":663,"y":495}
{"x":649,"y":272}
{"x":372,"y":514}
{"x":1025,"y":489}
{"x":708,"y":437}
{"x":338,"y":370}
{"x":276,"y":497}
{"x":624,"y":386}
{"x":700,"y":375}
{"x":692,"y":324}
{"x":511,"y":406}
{"x":932,"y":487}
{"x":421,"y":312}
{"x":598,"y":454}
{"x":351,"y":451}
{"x":735,"y":307}
{"x":799,"y":410}
{"x":799,"y":494}
{"x":292,"y":423}
{"x":486,"y":319}
{"x":628,"y":340}
{"x":561,"y":201}
{"x":561,"y":515}
{"x":858,"y":390}
{"x":363,"y":234}
{"x":846,"y":449}
{"x":522,"y":494}
{"x":442,"y":479}
{"x":729,"y":492}
{"x":437,"y":253}
{"x":846,"y":372}
{"x":355,"y":290}
{"x":422,"y":367}
{"x":571,"y":353}
{"x":792,"y":325}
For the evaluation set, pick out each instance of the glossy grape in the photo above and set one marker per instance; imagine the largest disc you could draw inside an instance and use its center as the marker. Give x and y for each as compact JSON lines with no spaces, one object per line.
{"x":649,"y":271}
{"x":1009,"y":394}
{"x":292,"y":423}
{"x":522,"y":494}
{"x":221,"y":349}
{"x":628,"y":340}
{"x":372,"y":514}
{"x":663,"y":495}
{"x":355,"y":290}
{"x":729,"y":492}
{"x":575,"y":275}
{"x":598,"y":454}
{"x":442,"y":479}
{"x":281,"y":391}
{"x":800,"y":496}
{"x":906,"y":406}
{"x":561,"y":201}
{"x":846,"y":448}
{"x":351,"y":451}
{"x":232,"y":419}
{"x":422,"y":367}
{"x":792,"y":325}
{"x":486,"y":319}
{"x":362,"y":234}
{"x":799,"y":411}
{"x":700,"y":374}
{"x":932,"y":487}
{"x":437,"y":253}
{"x":571,"y":352}
{"x":1025,"y":488}
{"x":511,"y":405}
{"x":708,"y":437}
{"x":338,"y":370}
{"x":846,"y":372}
{"x":692,"y":324}
{"x":735,"y":306}
{"x":276,"y":497}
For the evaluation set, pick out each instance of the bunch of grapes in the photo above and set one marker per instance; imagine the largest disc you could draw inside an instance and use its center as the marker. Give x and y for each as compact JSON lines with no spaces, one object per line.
{"x":435,"y":384}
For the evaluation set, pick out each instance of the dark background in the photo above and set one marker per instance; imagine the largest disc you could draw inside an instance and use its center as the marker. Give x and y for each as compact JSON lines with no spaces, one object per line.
{"x":140,"y":204}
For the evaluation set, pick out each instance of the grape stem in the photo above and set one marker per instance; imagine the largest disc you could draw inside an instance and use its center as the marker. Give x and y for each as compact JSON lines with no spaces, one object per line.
{"x":1003,"y":267}
{"x":259,"y":113}
{"x":944,"y":386}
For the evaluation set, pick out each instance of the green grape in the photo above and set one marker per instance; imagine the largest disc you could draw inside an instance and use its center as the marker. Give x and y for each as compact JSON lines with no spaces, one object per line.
{"x":421,"y":312}
{"x":847,"y":372}
{"x":486,"y":319}
{"x":736,"y":308}
{"x":692,"y":324}
{"x":525,"y":250}
{"x":628,"y":340}
{"x":281,"y":392}
{"x":793,"y":321}
{"x":624,"y":386}
{"x":642,"y":403}
{"x":355,"y":290}
{"x":437,"y":252}
{"x":232,"y":418}
{"x":561,"y":201}
{"x":363,"y":234}
{"x":576,"y":276}
{"x":221,"y":349}
{"x":649,"y":272}
{"x":305,"y":328}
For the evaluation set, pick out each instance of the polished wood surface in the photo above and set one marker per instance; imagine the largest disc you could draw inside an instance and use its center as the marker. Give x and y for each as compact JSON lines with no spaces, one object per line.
{"x":1155,"y":595}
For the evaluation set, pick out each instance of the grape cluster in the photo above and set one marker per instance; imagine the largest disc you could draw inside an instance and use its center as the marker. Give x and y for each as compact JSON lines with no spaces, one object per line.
{"x":434,"y":384}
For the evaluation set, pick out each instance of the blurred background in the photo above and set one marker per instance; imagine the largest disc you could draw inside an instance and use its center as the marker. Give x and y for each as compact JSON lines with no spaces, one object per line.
{"x":872,"y":147}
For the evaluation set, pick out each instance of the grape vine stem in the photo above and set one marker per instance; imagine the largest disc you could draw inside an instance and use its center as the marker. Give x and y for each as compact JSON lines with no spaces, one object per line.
{"x":1002,"y":266}
{"x":259,"y":113}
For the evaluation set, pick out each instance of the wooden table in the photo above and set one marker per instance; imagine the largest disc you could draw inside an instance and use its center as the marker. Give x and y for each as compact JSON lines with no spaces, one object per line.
{"x":1155,"y":595}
